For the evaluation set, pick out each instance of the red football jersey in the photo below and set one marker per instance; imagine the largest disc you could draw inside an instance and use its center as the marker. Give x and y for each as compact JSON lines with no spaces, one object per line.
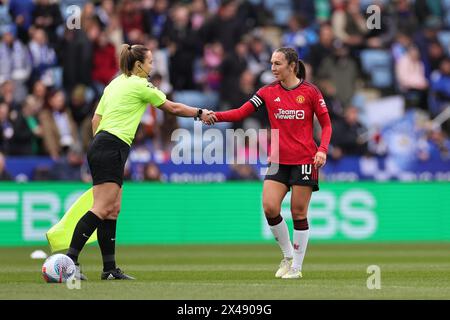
{"x":291,"y":111}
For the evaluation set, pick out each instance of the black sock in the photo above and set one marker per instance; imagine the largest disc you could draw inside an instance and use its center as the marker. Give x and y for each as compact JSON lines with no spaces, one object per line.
{"x":83,"y":230}
{"x":106,"y":234}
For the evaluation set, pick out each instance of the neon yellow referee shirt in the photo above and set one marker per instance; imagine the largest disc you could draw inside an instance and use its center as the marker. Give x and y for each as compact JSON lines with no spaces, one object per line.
{"x":123,"y":103}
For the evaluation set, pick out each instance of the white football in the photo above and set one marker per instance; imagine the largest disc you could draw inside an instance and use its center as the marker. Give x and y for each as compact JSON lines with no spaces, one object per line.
{"x":58,"y":268}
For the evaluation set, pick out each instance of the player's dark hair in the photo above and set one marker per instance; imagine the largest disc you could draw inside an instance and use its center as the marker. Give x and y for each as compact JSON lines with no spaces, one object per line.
{"x":129,"y":55}
{"x":292,"y":56}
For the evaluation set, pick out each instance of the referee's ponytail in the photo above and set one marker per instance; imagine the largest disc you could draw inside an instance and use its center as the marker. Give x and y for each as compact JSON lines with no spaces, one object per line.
{"x":292,"y":56}
{"x":129,"y":55}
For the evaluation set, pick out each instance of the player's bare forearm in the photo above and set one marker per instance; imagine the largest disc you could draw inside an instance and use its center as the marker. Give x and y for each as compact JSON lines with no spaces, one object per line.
{"x":95,"y":122}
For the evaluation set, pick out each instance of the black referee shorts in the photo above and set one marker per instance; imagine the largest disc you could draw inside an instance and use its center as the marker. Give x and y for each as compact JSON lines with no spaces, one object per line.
{"x":299,"y":175}
{"x":106,"y":157}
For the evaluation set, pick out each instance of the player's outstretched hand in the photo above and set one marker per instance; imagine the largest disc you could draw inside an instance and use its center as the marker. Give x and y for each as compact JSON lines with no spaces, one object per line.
{"x":209,"y":117}
{"x":320,"y":159}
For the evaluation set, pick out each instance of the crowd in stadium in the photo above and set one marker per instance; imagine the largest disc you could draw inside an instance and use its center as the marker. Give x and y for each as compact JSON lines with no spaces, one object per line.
{"x":216,"y":54}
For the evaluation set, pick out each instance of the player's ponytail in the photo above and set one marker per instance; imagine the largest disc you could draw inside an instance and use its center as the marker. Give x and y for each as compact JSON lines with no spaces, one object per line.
{"x":292,"y":57}
{"x":129,"y":55}
{"x":301,"y":70}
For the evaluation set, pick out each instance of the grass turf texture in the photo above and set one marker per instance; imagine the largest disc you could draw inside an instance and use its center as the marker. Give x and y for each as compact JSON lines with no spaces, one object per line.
{"x":408,"y":271}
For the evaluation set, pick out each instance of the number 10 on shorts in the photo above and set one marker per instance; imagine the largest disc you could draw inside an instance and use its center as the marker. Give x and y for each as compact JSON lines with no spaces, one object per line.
{"x":306,"y":168}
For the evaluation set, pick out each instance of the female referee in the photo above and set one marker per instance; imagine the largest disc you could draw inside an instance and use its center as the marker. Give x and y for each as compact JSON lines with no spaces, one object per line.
{"x":291,"y":104}
{"x":114,"y":125}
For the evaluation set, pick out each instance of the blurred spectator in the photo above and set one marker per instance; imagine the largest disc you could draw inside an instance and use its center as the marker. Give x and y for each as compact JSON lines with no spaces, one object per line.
{"x":232,"y":66}
{"x":15,"y":62}
{"x":104,"y":65}
{"x":349,"y":25}
{"x":439,"y":145}
{"x":70,"y":167}
{"x":77,"y":51}
{"x":436,"y":55}
{"x":105,"y":11}
{"x":8,"y":94}
{"x":253,"y":14}
{"x":405,"y":17}
{"x":424,"y":37}
{"x":6,"y":128}
{"x":299,"y":36}
{"x":349,"y":135}
{"x":114,"y":32}
{"x":152,"y":172}
{"x":199,"y":14}
{"x":224,"y":27}
{"x":435,"y":146}
{"x":88,"y":16}
{"x":131,"y":17}
{"x":212,"y":60}
{"x":5,"y":18}
{"x":38,"y":94}
{"x":42,"y":56}
{"x":155,"y":18}
{"x":59,"y":130}
{"x":411,"y":79}
{"x":78,"y":104}
{"x":425,"y":9}
{"x":183,"y":46}
{"x":440,"y":88}
{"x":400,"y":46}
{"x":27,"y":130}
{"x":28,"y":127}
{"x":22,"y":13}
{"x":246,"y":89}
{"x":341,"y":71}
{"x":242,"y":172}
{"x":259,"y":56}
{"x":322,"y":49}
{"x":4,"y":174}
{"x":160,"y":66}
{"x":47,"y":15}
{"x":310,"y":9}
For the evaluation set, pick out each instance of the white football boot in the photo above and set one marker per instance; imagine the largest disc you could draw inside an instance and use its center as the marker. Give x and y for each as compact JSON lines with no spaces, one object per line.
{"x":292,"y":273}
{"x":284,"y":267}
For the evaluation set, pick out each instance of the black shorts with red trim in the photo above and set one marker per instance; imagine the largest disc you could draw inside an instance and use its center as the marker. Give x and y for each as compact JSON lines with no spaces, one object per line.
{"x":299,"y":175}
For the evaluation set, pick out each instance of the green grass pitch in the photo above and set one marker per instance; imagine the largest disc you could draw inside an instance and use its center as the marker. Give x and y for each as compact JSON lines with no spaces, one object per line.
{"x":338,"y":271}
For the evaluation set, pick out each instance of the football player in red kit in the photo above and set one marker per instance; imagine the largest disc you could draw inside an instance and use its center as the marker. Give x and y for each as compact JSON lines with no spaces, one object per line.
{"x":291,"y":103}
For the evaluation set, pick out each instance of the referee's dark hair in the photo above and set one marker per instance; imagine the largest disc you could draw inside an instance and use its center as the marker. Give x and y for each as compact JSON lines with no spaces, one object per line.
{"x":129,"y":55}
{"x":292,"y":56}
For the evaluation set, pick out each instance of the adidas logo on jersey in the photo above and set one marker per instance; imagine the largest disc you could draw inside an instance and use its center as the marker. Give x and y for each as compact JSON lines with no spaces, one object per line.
{"x":305,"y":178}
{"x":277,"y":99}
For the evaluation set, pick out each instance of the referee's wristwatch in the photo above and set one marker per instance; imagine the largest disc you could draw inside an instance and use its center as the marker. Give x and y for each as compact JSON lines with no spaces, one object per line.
{"x":199,"y":114}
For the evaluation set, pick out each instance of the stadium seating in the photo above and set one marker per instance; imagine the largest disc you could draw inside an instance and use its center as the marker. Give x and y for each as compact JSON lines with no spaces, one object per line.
{"x":378,"y":65}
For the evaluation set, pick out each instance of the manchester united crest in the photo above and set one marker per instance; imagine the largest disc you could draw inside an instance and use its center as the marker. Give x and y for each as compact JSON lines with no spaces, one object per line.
{"x":300,"y":99}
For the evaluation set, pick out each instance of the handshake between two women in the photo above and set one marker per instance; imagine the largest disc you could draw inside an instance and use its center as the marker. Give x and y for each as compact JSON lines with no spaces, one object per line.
{"x":208,"y":117}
